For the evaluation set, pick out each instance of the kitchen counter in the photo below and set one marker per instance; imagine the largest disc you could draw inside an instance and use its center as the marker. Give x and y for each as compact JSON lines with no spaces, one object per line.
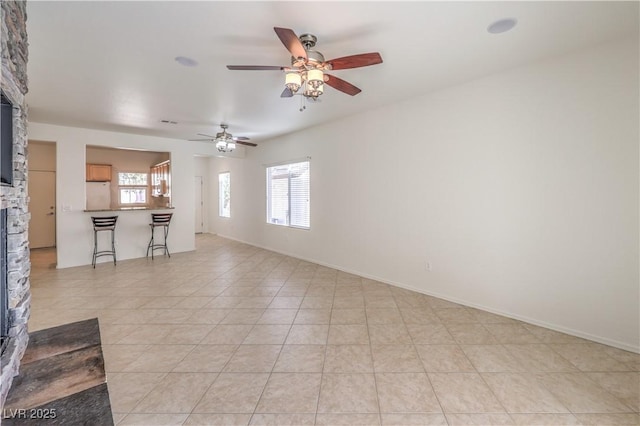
{"x":124,"y":209}
{"x":132,"y":231}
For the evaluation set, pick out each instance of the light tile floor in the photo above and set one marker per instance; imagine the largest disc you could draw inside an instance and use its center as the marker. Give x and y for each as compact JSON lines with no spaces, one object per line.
{"x":233,"y":334}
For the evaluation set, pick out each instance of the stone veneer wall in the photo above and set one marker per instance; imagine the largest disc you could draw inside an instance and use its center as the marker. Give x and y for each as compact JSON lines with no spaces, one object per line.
{"x":14,"y":198}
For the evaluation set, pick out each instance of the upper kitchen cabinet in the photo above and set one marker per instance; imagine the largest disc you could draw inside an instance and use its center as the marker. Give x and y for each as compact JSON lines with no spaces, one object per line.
{"x":98,"y":173}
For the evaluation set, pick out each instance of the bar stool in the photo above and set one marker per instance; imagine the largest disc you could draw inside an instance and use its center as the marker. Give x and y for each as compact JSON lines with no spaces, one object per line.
{"x":105,"y":223}
{"x":159,"y":220}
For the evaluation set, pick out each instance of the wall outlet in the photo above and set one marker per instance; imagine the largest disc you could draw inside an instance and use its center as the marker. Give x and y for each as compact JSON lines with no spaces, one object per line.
{"x":427,"y":266}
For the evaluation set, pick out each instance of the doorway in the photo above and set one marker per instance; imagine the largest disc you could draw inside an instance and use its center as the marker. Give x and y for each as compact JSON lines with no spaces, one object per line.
{"x":199,"y":205}
{"x":42,"y":203}
{"x":42,"y":206}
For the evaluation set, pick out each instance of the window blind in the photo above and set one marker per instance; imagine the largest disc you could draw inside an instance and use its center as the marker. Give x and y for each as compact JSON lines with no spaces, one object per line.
{"x":224,"y":194}
{"x":288,"y":195}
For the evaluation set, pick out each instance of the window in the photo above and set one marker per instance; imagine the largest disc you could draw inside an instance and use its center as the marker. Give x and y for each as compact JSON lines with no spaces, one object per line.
{"x":160,"y":179}
{"x":133,"y":188}
{"x":224,"y":194}
{"x":288,"y":195}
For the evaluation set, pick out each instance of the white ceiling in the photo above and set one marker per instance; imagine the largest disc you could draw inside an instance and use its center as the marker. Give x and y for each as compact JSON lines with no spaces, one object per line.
{"x":110,"y":65}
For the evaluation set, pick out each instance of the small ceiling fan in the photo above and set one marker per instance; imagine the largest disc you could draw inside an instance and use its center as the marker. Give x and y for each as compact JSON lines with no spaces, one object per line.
{"x":308,"y":67}
{"x":225,"y":142}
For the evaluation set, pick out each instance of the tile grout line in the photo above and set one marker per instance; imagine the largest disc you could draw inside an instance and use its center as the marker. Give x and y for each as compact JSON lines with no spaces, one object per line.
{"x":375,"y":380}
{"x":424,"y":369}
{"x":324,"y":359}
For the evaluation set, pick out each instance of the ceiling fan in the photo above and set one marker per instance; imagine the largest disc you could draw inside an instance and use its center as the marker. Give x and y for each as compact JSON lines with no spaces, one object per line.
{"x":308,"y":67}
{"x":225,"y":142}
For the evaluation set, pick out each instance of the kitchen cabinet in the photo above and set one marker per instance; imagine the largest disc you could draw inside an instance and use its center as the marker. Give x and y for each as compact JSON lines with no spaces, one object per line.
{"x":98,"y":173}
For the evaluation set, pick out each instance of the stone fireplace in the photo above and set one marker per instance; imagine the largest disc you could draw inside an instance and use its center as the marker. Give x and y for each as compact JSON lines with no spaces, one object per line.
{"x":13,"y":193}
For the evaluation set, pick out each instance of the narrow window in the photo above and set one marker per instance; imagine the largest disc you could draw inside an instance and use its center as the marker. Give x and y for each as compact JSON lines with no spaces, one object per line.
{"x":288,"y":196}
{"x":224,"y":194}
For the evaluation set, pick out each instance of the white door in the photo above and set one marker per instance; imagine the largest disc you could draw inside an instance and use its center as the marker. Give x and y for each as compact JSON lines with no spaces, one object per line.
{"x":42,"y":206}
{"x":199,"y":205}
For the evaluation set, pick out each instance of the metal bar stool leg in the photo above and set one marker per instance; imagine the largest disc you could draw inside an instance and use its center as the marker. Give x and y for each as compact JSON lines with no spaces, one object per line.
{"x":153,"y":232}
{"x":166,"y":247}
{"x":151,"y":242}
{"x":95,"y":248}
{"x":113,"y":245}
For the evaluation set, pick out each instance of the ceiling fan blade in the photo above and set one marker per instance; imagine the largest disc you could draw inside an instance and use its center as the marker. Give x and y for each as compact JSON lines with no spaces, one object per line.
{"x":286,"y":93}
{"x":203,"y":134}
{"x":201,"y":140}
{"x":246,"y":143}
{"x":241,"y":138}
{"x":355,"y":61}
{"x":341,"y":85}
{"x":255,"y":67}
{"x":291,"y":42}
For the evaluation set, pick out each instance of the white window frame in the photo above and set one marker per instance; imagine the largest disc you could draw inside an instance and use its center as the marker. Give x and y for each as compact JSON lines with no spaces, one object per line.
{"x":144,"y":187}
{"x":304,"y":191}
{"x":222,"y":212}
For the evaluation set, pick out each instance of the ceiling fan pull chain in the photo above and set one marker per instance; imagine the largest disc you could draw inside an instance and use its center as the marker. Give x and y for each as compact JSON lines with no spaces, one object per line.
{"x":302,"y":103}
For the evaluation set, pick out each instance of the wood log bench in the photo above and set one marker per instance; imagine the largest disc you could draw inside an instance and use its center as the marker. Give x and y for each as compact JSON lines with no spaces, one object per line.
{"x":62,"y":379}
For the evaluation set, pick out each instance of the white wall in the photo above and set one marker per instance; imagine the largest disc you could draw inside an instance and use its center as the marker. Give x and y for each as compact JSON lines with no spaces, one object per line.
{"x":520,"y":189}
{"x":74,"y":231}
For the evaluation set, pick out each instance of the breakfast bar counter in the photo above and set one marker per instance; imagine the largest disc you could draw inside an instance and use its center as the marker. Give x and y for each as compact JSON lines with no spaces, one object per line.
{"x":132,"y":231}
{"x":124,"y":209}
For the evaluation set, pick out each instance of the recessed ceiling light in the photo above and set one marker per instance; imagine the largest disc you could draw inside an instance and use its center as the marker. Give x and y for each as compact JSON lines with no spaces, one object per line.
{"x":502,"y":25}
{"x":187,"y":62}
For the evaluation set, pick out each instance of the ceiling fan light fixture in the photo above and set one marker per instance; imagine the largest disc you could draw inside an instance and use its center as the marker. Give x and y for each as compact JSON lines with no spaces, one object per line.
{"x":225,"y":146}
{"x":313,"y":92}
{"x":315,"y":78}
{"x":224,"y":141}
{"x":293,"y":81}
